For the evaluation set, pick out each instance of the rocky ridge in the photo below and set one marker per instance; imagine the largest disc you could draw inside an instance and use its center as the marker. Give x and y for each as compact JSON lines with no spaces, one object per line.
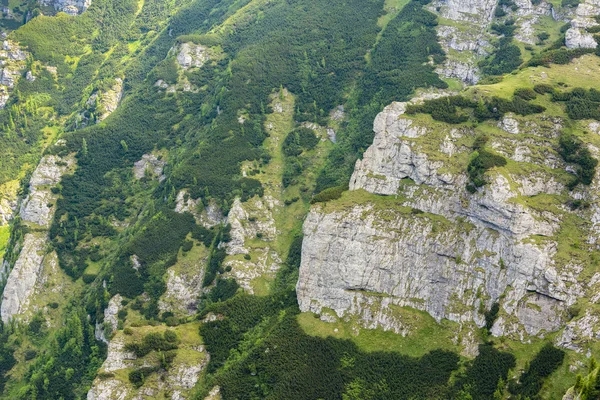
{"x":71,"y":7}
{"x":175,"y":383}
{"x":577,"y":36}
{"x":12,"y":61}
{"x":430,"y":245}
{"x":36,"y":210}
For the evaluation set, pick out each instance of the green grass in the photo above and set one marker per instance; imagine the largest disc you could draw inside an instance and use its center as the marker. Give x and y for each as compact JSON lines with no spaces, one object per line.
{"x":425,"y":333}
{"x":581,"y":72}
{"x":4,"y":236}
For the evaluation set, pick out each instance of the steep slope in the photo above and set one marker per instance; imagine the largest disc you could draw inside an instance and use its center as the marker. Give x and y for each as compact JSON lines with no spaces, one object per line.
{"x":417,"y":230}
{"x":164,"y":156}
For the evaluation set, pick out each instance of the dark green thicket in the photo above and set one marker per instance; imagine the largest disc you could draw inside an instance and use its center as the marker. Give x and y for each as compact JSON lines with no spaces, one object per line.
{"x":7,"y":359}
{"x":580,"y":103}
{"x":294,"y":145}
{"x":155,"y":246}
{"x":491,"y":315}
{"x":484,"y":374}
{"x":67,"y":369}
{"x":276,"y":359}
{"x":482,"y":161}
{"x":526,"y":93}
{"x":459,"y":109}
{"x":153,"y":341}
{"x":332,"y":193}
{"x":505,"y":59}
{"x":444,"y":109}
{"x":541,"y":367}
{"x":557,"y":56}
{"x":399,"y":65}
{"x":572,"y":150}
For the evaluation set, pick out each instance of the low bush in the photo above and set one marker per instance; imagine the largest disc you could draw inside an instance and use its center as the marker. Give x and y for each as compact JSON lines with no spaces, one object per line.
{"x":480,"y":163}
{"x":333,"y":193}
{"x":525,"y":93}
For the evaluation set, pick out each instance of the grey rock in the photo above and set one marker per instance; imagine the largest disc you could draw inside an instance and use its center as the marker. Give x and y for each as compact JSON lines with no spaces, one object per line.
{"x":71,"y":7}
{"x":366,"y":257}
{"x":577,"y":36}
{"x":150,"y":164}
{"x":192,"y":55}
{"x":23,"y":277}
{"x":38,"y":205}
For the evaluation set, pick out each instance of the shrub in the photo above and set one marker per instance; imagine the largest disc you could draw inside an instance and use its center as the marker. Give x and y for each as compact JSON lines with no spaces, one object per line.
{"x":484,"y":374}
{"x":138,"y":376}
{"x":170,"y":336}
{"x":298,"y":141}
{"x":333,"y":193}
{"x":153,"y":341}
{"x":506,"y":58}
{"x":491,"y":315}
{"x":572,"y":150}
{"x":543,"y":88}
{"x":480,"y":163}
{"x":525,"y":93}
{"x":187,"y":246}
{"x":223,"y":290}
{"x":88,"y":278}
{"x":30,"y":354}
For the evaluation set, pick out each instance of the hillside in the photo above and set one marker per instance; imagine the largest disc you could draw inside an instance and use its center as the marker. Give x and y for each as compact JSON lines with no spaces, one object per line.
{"x":278,"y":199}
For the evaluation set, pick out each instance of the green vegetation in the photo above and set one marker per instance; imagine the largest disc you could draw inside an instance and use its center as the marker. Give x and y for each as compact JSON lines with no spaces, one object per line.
{"x":295,"y":143}
{"x":154,"y":341}
{"x":230,"y":130}
{"x":486,"y":375}
{"x":588,"y":387}
{"x":506,"y":58}
{"x":328,"y":194}
{"x":482,"y":161}
{"x":572,"y":151}
{"x":398,"y":65}
{"x":541,"y":367}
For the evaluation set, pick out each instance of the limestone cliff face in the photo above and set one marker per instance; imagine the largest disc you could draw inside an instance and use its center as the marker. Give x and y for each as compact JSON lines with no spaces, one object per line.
{"x":38,"y":206}
{"x":462,"y":32}
{"x":12,"y":62}
{"x":174,"y":384}
{"x":431,"y":245}
{"x":37,"y":211}
{"x":577,"y":36}
{"x":71,"y":7}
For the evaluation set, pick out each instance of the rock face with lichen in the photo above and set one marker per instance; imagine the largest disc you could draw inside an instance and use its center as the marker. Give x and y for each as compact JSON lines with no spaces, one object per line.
{"x":409,"y":234}
{"x":175,"y":383}
{"x":12,"y":63}
{"x":577,"y":36}
{"x":71,"y":7}
{"x":37,"y":211}
{"x":38,"y":206}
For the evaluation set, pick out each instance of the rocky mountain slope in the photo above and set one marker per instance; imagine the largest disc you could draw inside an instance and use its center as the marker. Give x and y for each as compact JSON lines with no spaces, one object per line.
{"x":255,"y":199}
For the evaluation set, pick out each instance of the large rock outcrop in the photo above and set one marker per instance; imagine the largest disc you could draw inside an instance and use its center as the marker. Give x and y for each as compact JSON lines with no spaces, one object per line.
{"x":431,"y":245}
{"x":462,"y":32}
{"x":12,"y":63}
{"x":38,"y":206}
{"x":174,"y":383}
{"x":23,"y":277}
{"x":37,"y":211}
{"x":577,"y":36}
{"x":71,"y":7}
